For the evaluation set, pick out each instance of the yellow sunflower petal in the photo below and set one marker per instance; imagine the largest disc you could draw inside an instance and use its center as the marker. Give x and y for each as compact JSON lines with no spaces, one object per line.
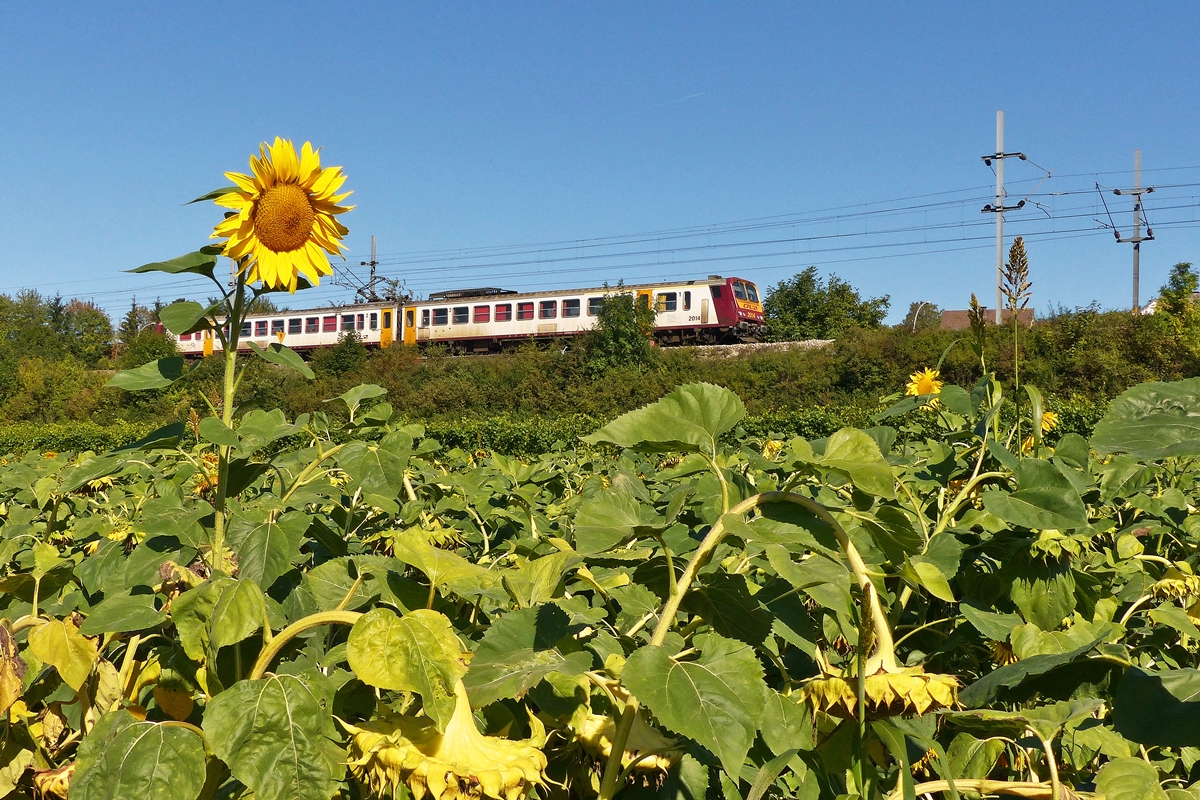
{"x":264,"y":173}
{"x":310,"y":164}
{"x":328,"y":182}
{"x":283,"y":158}
{"x":243,"y":182}
{"x":234,"y":200}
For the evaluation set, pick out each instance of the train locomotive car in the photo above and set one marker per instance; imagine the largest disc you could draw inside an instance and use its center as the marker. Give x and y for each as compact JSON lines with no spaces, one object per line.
{"x":712,"y":311}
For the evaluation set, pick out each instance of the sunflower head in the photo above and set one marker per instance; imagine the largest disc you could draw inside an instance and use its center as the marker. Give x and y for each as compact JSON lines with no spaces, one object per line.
{"x":648,"y":754}
{"x":924,"y":382}
{"x":888,"y":694}
{"x":1049,"y":421}
{"x":458,"y":764}
{"x":283,"y":220}
{"x":771,"y":448}
{"x":1177,"y":582}
{"x":1002,"y":653}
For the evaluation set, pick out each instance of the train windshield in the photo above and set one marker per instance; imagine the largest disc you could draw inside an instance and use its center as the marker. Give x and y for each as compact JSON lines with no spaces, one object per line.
{"x":751,"y":292}
{"x":739,"y":290}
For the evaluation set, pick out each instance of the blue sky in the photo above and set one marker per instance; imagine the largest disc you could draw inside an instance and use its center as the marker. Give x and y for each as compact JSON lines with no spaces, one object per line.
{"x":850,"y":133}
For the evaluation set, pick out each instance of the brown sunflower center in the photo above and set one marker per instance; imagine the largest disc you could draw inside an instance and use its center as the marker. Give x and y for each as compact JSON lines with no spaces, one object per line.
{"x":283,"y":218}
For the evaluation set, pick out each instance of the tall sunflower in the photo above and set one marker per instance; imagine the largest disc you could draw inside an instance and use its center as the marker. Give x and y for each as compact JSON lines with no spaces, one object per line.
{"x":284,"y":221}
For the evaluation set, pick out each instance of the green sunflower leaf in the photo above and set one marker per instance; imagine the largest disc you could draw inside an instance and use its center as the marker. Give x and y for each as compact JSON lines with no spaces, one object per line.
{"x":198,"y":263}
{"x":155,"y":375}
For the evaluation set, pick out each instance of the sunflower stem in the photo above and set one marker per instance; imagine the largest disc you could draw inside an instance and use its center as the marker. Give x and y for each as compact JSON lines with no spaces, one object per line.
{"x":885,"y":651}
{"x":612,"y":768}
{"x":280,"y":639}
{"x":237,"y":311}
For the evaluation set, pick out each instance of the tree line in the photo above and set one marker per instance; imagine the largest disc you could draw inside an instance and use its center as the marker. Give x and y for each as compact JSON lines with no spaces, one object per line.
{"x":56,"y":355}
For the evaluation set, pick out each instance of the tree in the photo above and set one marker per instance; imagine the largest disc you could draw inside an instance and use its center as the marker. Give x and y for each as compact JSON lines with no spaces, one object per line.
{"x":1175,"y":297}
{"x":348,"y":355}
{"x":89,"y":331}
{"x":263,"y":305}
{"x":921,"y":316}
{"x":394,"y":291}
{"x":135,"y":319}
{"x":146,"y":346}
{"x":623,"y":335}
{"x":808,"y":307}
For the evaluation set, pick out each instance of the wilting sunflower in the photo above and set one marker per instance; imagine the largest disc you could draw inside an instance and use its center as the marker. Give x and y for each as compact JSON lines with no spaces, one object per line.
{"x":927,"y":381}
{"x":648,"y":754}
{"x":1049,"y":421}
{"x":1177,"y":582}
{"x":459,"y":764}
{"x":285,"y":216}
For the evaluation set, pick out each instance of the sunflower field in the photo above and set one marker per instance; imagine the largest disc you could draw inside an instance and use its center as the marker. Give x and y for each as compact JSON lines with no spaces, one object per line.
{"x":958,"y":600}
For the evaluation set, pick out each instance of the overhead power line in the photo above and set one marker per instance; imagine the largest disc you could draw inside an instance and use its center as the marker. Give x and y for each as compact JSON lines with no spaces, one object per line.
{"x":919,"y":224}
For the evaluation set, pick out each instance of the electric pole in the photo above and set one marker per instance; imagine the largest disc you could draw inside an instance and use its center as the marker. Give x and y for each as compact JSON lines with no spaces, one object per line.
{"x":998,"y":208}
{"x":1138,"y":214}
{"x":370,"y":294}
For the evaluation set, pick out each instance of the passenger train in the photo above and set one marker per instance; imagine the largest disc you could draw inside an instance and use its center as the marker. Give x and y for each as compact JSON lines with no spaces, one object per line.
{"x":713,"y":311}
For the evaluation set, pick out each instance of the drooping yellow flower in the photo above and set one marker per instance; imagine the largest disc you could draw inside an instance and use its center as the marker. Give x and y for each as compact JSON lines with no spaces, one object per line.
{"x":1049,"y":421}
{"x":285,"y":216}
{"x":459,"y":764}
{"x":924,"y":382}
{"x":648,"y":754}
{"x":908,"y":692}
{"x":1177,"y":582}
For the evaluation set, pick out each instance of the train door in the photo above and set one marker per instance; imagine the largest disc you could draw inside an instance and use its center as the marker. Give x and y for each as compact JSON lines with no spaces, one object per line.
{"x":208,"y":343}
{"x":385,"y":331}
{"x":644,"y":299}
{"x":704,"y":311}
{"x":410,"y":325}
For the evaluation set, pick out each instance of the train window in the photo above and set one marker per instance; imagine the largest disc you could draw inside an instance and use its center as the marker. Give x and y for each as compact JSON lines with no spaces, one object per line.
{"x":260,"y":327}
{"x":347,"y":322}
{"x":739,"y":290}
{"x":667,"y":301}
{"x":374,"y":324}
{"x":461,"y":315}
{"x":482,"y":314}
{"x":295,"y":325}
{"x":361,"y":322}
{"x":276,"y":326}
{"x":185,"y":337}
{"x":424,"y":317}
{"x":312,"y":324}
{"x":503,"y":312}
{"x":571,"y":308}
{"x":716,"y":292}
{"x":643,"y":299}
{"x":441,"y":316}
{"x":687,"y":301}
{"x":524,"y":310}
{"x":246,"y":328}
{"x":594,"y":305}
{"x":752,"y":292}
{"x":547,"y":309}
{"x":329,"y":324}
